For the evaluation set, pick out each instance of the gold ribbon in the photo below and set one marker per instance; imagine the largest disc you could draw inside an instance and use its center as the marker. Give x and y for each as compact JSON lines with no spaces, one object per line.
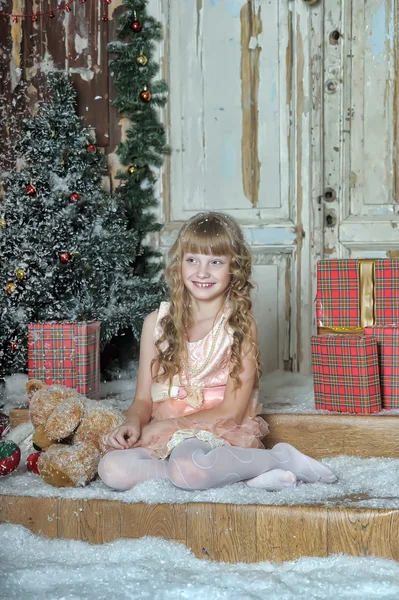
{"x":366,"y":301}
{"x":348,"y":330}
{"x":366,"y":292}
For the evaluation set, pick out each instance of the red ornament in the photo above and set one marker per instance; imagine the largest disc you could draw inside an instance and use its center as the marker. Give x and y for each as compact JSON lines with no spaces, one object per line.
{"x":74,"y":197}
{"x":34,"y":18}
{"x":10,"y":455}
{"x":30,"y":190}
{"x":15,"y":19}
{"x":31,"y":463}
{"x":67,"y":8}
{"x":136,"y":26}
{"x":92,"y":148}
{"x":65,"y":257}
{"x":146,"y":95}
{"x":104,"y":18}
{"x":83,"y":1}
{"x":14,"y":345}
{"x":51,"y":14}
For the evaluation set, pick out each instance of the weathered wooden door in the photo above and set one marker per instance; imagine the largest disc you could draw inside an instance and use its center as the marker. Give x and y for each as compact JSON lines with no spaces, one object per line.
{"x":240,"y":129}
{"x":359,"y":211}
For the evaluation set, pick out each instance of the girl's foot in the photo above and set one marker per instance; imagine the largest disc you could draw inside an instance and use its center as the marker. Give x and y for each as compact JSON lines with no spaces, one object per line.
{"x":305,"y":468}
{"x":273,"y":481}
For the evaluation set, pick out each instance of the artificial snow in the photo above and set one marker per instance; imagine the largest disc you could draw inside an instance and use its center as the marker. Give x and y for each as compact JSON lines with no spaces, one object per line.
{"x":156,"y":569}
{"x":371,"y":482}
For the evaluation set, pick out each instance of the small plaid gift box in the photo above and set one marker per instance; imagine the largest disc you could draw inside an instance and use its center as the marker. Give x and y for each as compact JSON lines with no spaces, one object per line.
{"x":353,"y":294}
{"x":67,"y":354}
{"x":345,"y":373}
{"x":388,"y":356}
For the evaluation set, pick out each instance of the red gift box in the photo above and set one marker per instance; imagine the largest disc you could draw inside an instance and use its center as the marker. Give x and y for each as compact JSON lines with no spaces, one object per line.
{"x":353,"y":294}
{"x":388,"y":355}
{"x":66,"y":354}
{"x":345,"y":373}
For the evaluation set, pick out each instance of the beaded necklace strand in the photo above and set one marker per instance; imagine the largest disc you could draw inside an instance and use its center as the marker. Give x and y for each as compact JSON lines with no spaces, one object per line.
{"x":197,"y":370}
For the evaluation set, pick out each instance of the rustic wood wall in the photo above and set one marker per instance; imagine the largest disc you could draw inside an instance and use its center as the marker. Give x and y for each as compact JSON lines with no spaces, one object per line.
{"x":75,"y":42}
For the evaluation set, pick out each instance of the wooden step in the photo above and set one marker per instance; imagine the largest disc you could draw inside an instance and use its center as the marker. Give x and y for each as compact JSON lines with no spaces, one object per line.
{"x":323,"y":435}
{"x":222,"y":532}
{"x":320,"y":435}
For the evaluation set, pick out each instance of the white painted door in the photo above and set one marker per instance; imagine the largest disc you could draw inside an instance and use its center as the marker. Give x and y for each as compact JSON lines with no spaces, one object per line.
{"x":358,"y":217}
{"x":239,"y":125}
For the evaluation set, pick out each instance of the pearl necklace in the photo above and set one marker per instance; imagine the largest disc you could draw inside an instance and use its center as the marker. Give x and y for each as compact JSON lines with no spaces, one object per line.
{"x":197,"y":370}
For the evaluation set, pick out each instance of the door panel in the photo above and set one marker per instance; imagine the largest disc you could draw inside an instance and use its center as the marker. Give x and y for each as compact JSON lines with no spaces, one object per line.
{"x":239,"y":121}
{"x":361,"y":128}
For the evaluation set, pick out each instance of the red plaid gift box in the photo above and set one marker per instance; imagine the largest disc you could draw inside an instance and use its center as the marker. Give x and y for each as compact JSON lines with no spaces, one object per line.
{"x":353,"y":294}
{"x":388,"y":356}
{"x":67,"y":354}
{"x":345,"y":373}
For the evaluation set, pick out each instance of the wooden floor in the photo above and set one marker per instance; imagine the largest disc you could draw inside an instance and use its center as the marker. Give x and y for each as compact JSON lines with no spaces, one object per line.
{"x":241,"y":533}
{"x":222,"y":532}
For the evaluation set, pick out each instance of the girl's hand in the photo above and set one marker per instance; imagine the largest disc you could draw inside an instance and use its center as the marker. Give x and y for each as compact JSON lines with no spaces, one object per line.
{"x":123,"y":437}
{"x":150,"y":431}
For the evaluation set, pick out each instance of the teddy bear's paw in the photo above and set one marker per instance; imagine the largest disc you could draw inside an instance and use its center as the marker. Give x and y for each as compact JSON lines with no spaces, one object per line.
{"x":40,"y":440}
{"x":44,"y":400}
{"x":98,"y":420}
{"x":65,"y":418}
{"x":69,"y":466}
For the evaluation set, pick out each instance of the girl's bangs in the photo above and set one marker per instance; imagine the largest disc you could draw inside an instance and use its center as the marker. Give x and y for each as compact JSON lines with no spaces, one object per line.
{"x":207,"y":237}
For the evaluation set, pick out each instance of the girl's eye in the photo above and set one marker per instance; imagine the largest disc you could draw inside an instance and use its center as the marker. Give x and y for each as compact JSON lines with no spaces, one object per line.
{"x":217,"y":262}
{"x":190,"y":259}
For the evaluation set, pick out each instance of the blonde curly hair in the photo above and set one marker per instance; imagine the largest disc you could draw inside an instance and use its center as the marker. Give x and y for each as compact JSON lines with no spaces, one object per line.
{"x":219,"y":235}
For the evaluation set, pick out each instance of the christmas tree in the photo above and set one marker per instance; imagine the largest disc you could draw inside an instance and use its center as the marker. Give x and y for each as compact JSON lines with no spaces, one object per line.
{"x":68,"y":249}
{"x":139,"y":96}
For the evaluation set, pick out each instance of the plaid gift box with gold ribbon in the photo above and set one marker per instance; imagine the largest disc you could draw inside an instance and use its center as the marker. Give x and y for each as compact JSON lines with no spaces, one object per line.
{"x":388,"y":356}
{"x":356,"y":293}
{"x":66,"y":354}
{"x":345,"y":373}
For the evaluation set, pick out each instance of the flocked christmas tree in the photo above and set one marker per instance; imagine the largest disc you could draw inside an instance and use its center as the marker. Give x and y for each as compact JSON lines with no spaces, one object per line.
{"x":139,"y":96}
{"x":69,"y":251}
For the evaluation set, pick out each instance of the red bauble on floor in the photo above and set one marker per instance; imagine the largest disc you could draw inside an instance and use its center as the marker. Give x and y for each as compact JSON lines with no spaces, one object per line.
{"x":31,"y":462}
{"x":10,"y":456}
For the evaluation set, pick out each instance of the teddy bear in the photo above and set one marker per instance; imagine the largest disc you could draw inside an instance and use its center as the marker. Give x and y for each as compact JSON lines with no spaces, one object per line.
{"x":68,"y":430}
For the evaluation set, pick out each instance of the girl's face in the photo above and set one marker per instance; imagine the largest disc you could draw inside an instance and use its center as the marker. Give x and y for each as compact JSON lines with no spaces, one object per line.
{"x":205,"y":276}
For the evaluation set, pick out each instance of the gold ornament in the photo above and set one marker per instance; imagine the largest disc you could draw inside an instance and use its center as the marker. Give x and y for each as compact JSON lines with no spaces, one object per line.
{"x":142,"y":60}
{"x":10,"y":287}
{"x":132,"y":169}
{"x":3,"y":222}
{"x":20,"y":273}
{"x":146,"y":95}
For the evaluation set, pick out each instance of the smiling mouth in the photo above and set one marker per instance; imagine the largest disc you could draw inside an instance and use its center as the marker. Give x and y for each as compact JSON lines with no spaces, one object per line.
{"x":202,"y":285}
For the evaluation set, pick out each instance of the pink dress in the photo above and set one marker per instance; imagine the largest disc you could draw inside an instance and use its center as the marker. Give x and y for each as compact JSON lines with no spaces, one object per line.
{"x":204,"y":389}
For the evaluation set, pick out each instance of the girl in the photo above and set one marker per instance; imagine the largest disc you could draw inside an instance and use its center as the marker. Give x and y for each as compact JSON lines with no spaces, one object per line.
{"x":193,"y":419}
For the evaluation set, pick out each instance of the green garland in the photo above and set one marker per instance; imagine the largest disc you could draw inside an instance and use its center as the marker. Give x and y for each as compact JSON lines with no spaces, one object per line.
{"x":140,"y":94}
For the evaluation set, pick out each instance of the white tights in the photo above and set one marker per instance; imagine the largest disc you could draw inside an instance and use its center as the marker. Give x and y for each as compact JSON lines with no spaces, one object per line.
{"x":194,"y":465}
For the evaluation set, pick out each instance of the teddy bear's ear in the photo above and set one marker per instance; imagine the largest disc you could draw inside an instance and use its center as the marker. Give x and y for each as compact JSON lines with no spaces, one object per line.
{"x":33,"y":385}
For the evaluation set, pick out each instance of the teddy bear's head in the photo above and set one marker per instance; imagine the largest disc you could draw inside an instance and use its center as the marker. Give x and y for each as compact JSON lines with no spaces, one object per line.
{"x":69,"y":428}
{"x":55,"y":412}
